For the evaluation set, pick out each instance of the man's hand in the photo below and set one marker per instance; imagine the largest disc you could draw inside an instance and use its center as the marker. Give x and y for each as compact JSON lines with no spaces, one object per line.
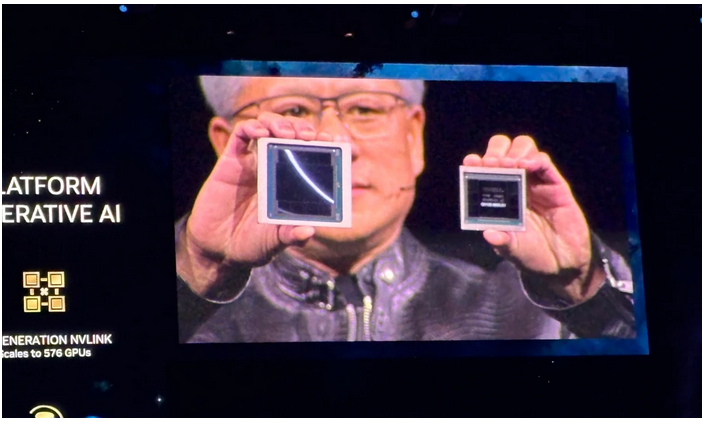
{"x":557,"y":240}
{"x":222,"y":228}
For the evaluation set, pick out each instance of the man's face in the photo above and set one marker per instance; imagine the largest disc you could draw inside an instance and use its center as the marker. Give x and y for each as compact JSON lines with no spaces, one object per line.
{"x":386,"y":162}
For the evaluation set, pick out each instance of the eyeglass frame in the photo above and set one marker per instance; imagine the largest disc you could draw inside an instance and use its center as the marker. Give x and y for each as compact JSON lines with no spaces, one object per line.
{"x":336,"y":99}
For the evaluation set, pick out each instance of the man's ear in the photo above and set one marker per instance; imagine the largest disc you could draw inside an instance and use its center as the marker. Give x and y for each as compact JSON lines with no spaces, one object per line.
{"x":219,"y":131}
{"x":416,"y":139}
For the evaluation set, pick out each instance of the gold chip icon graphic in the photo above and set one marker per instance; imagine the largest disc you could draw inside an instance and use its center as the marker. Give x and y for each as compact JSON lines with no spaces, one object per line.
{"x":56,"y":279}
{"x":44,"y":293}
{"x":32,"y":304}
{"x":30,"y":280}
{"x":57,"y":304}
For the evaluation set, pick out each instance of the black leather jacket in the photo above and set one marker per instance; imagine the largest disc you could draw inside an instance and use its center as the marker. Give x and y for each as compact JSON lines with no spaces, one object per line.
{"x":406,"y":293}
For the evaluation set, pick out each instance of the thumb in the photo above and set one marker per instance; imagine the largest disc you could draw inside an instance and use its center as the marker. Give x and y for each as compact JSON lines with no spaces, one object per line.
{"x":295,"y":235}
{"x":500,"y":241}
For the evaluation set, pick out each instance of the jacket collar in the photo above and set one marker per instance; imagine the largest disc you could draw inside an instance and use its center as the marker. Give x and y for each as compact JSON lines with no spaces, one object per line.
{"x":307,"y":283}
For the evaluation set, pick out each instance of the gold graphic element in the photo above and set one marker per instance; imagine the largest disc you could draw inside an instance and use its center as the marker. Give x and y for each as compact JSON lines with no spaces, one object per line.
{"x":44,"y":411}
{"x":48,"y":296}
{"x":32,"y":304}
{"x":56,"y":279}
{"x":30,"y":279}
{"x":57,"y":304}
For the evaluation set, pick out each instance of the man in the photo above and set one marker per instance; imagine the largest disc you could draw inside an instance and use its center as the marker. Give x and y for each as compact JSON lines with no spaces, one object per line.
{"x":240,"y":281}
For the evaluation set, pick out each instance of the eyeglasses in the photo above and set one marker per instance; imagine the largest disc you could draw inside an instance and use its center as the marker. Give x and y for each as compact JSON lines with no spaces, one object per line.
{"x":364,"y":114}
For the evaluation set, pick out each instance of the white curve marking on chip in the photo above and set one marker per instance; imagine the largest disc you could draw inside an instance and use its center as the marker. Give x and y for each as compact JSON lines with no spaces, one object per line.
{"x":305,"y":177}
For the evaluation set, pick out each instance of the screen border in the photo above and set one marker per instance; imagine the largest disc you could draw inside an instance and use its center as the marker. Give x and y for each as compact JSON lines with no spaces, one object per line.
{"x":617,"y":76}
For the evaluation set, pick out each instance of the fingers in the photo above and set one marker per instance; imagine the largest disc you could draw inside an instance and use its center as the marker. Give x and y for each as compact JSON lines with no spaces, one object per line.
{"x":502,"y":152}
{"x":540,"y":165}
{"x":279,"y":126}
{"x":522,"y":146}
{"x":291,"y":127}
{"x":324,"y":136}
{"x":272,"y":125}
{"x":285,"y":236}
{"x":243,"y":132}
{"x":302,"y":129}
{"x":473,"y":160}
{"x":502,"y":242}
{"x":498,"y":146}
{"x":521,"y":152}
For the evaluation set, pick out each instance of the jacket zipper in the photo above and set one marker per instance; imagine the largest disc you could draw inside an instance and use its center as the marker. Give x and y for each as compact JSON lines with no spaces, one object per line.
{"x":367,"y":313}
{"x":352,"y":322}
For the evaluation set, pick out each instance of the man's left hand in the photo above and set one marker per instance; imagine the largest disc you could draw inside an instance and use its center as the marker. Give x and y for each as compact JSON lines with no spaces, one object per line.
{"x":557,"y":241}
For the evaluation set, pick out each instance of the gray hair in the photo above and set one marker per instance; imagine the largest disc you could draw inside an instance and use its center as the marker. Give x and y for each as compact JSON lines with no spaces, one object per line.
{"x":220,"y":91}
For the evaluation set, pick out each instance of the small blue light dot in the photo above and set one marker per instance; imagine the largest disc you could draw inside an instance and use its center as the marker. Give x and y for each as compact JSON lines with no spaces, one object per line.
{"x":123,"y":8}
{"x":415,"y":14}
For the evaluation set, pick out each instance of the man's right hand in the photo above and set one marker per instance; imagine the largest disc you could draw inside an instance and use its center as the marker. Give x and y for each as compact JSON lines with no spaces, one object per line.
{"x":222,"y":229}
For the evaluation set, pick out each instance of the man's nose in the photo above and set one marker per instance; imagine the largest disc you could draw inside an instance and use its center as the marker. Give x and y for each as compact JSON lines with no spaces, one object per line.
{"x":332,"y":124}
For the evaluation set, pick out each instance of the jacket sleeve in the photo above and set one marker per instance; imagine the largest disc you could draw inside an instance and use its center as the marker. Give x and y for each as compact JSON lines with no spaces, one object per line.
{"x":193,"y":309}
{"x":610,"y":313}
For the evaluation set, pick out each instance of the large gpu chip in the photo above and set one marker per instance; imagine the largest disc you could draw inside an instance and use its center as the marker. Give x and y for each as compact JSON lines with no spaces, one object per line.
{"x":304,"y":183}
